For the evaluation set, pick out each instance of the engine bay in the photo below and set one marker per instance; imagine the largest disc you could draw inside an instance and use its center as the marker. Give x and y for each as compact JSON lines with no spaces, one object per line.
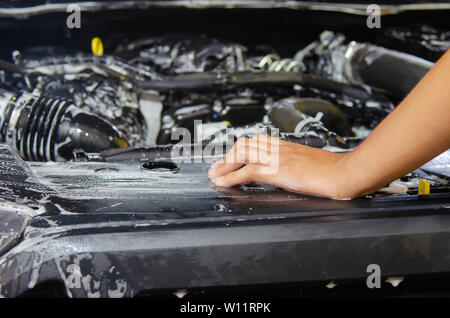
{"x":131,"y":102}
{"x":107,"y":133}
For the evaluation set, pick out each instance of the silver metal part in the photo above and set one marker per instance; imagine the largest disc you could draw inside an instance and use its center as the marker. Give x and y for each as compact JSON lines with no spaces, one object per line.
{"x":307,"y":122}
{"x":273,"y":63}
{"x":150,"y":106}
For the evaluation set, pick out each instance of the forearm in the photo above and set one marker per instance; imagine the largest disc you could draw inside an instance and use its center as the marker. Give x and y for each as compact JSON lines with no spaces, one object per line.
{"x":414,"y":133}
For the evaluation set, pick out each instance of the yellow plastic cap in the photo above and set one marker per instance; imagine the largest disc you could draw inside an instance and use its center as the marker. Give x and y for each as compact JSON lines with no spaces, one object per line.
{"x":97,"y":46}
{"x":424,"y":187}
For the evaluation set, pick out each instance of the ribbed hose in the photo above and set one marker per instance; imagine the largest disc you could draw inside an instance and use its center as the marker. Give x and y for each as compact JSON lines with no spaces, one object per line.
{"x":44,"y":128}
{"x":39,"y":137}
{"x":30,"y":123}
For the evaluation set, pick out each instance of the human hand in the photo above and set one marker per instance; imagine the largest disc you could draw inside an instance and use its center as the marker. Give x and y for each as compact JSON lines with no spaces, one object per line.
{"x":287,"y":165}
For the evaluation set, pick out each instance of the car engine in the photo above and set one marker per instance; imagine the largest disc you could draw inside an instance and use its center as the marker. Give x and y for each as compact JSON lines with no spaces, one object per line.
{"x":112,"y":111}
{"x":129,"y":104}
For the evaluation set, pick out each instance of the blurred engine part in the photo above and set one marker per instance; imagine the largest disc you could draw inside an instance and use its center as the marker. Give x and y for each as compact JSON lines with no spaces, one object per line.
{"x":180,"y":53}
{"x":295,"y":116}
{"x":368,"y":60}
{"x":289,"y":115}
{"x":423,"y":40}
{"x":365,"y":64}
{"x":274,"y":63}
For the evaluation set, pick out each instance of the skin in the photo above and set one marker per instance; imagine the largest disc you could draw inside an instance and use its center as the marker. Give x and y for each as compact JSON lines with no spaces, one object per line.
{"x":414,"y":133}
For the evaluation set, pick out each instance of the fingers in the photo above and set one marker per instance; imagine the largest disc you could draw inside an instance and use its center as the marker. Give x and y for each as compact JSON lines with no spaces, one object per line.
{"x":220,"y":168}
{"x":244,"y":151}
{"x":243,"y":175}
{"x":229,"y":162}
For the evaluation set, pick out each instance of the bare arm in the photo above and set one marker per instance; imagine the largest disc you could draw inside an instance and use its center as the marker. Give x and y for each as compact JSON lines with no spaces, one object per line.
{"x":414,"y":133}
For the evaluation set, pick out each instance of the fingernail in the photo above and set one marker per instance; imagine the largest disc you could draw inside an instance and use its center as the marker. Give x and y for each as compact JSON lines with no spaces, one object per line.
{"x":214,"y":166}
{"x":218,"y":180}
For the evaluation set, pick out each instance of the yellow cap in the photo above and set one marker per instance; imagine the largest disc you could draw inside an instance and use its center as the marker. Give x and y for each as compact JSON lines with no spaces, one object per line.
{"x":97,"y":46}
{"x":424,"y":187}
{"x":121,"y":143}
